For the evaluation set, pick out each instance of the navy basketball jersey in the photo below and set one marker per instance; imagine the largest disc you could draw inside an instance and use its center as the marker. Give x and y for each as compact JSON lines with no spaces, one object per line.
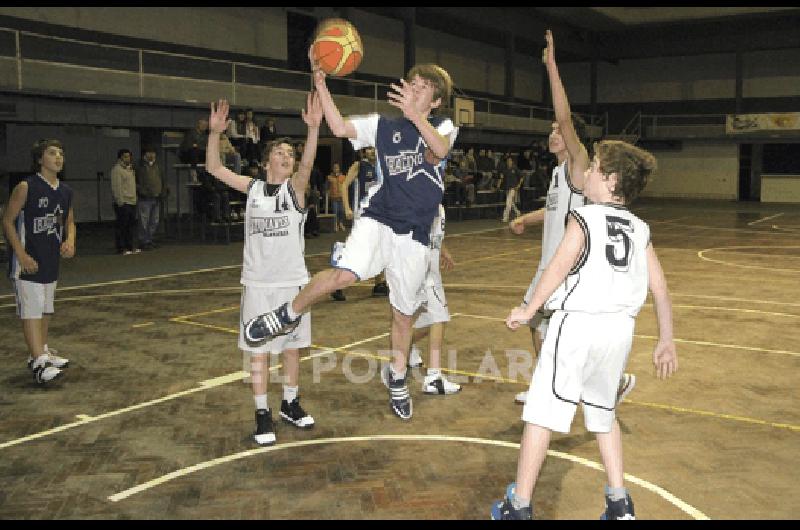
{"x":410,"y":188}
{"x":367,"y":178}
{"x":41,"y":229}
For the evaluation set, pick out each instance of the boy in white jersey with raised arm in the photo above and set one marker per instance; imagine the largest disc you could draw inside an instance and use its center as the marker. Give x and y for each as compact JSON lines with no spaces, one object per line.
{"x":392,"y":234}
{"x":564,"y":195}
{"x":273,"y":268}
{"x":595,"y":285}
{"x":431,"y":321}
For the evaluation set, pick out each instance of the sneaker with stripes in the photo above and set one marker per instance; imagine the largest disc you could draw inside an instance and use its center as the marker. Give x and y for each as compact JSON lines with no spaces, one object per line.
{"x":399,"y":396}
{"x":626,"y":384}
{"x":269,"y":325}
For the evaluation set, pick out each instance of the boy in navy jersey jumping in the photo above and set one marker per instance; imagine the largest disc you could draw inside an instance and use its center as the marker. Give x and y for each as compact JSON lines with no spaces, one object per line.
{"x":40,"y":228}
{"x":393,"y":231}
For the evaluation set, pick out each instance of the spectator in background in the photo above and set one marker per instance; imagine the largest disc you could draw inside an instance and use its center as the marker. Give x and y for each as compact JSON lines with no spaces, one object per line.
{"x":252,"y":137}
{"x":149,"y":193}
{"x":472,"y":164}
{"x":312,"y":205}
{"x":267,"y":132}
{"x":236,"y":132}
{"x":512,"y":181}
{"x":467,"y":178}
{"x":228,"y":154}
{"x":123,"y":190}
{"x":335,"y":180}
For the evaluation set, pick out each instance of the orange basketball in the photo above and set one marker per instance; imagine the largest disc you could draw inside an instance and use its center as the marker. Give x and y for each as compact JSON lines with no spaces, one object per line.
{"x":337,"y":47}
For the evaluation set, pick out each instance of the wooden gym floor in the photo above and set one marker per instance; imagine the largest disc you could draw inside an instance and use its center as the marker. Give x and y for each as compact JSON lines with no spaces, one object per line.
{"x":152,"y":419}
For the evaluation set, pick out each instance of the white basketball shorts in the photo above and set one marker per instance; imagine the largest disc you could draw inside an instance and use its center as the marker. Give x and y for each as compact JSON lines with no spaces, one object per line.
{"x":34,"y":299}
{"x":260,"y":300}
{"x":582,"y":360}
{"x":372,"y":248}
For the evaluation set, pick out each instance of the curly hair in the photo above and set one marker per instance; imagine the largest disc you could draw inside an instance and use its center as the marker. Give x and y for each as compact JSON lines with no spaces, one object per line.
{"x":632,"y":165}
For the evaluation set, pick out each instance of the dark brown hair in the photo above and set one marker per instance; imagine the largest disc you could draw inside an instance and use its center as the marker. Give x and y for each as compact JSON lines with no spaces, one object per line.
{"x":38,"y":149}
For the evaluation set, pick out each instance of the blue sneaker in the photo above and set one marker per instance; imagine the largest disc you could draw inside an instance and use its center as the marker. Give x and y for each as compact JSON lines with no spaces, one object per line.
{"x":269,"y":325}
{"x":504,"y":510}
{"x":618,"y":510}
{"x":399,"y":396}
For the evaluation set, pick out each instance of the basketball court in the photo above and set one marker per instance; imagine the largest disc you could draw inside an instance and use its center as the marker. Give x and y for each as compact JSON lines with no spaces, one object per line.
{"x":153,"y":421}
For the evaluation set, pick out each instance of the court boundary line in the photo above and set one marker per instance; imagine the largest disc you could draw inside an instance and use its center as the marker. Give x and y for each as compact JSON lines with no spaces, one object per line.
{"x":208,"y":464}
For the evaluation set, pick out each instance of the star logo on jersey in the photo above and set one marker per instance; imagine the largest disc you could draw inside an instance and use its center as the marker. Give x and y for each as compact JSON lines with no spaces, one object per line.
{"x":50,"y":223}
{"x":407,"y":162}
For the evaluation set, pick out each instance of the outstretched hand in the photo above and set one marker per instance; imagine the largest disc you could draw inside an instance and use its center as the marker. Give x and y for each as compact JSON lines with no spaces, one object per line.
{"x":318,"y":76}
{"x":218,"y":120}
{"x":402,"y":96}
{"x":312,"y":114}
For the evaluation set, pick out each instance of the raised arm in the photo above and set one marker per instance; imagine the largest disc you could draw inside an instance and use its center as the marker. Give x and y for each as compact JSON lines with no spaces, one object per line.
{"x":564,"y":259}
{"x":352,"y":173}
{"x":312,"y":116}
{"x":340,"y":127}
{"x":578,"y":156}
{"x":217,"y":124}
{"x":665,"y":357}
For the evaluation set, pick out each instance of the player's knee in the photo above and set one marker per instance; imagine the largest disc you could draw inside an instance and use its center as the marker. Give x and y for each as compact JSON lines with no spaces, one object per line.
{"x":343,"y":278}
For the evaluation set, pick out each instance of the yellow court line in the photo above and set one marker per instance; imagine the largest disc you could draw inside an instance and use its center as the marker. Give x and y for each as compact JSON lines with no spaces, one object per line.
{"x":685,"y":341}
{"x":732,"y":309}
{"x":715,"y":415}
{"x":143,"y":325}
{"x":717,"y":345}
{"x":202,"y":385}
{"x":661,"y":492}
{"x":701,"y":255}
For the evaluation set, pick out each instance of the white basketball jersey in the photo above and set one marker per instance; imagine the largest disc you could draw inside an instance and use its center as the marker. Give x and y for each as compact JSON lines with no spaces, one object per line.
{"x":273,"y":238}
{"x":561,"y":199}
{"x":611,"y":273}
{"x":437,"y":237}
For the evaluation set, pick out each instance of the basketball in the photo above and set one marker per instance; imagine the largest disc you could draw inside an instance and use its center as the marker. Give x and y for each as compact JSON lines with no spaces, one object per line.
{"x":337,"y":47}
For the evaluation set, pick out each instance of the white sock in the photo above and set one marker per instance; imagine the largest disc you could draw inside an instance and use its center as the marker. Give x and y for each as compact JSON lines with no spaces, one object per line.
{"x":261,"y":402}
{"x":46,"y":349}
{"x":434,"y":373}
{"x":290,"y":312}
{"x":396,"y":375}
{"x":40,"y":360}
{"x":290,"y":393}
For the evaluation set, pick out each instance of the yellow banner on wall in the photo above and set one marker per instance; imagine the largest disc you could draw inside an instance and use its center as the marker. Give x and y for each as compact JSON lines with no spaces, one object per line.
{"x":775,"y":121}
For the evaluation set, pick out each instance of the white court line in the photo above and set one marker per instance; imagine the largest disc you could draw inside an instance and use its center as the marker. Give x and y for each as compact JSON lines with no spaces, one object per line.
{"x":661,"y":492}
{"x":202,"y":386}
{"x":765,"y":219}
{"x":213,"y":269}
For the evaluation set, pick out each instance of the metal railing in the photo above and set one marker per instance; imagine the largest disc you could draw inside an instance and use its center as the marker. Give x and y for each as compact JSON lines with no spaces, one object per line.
{"x":33,"y":61}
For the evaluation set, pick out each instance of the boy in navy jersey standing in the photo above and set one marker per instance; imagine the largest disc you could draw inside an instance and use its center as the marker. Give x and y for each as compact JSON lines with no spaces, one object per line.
{"x":392,"y":233}
{"x":40,"y":228}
